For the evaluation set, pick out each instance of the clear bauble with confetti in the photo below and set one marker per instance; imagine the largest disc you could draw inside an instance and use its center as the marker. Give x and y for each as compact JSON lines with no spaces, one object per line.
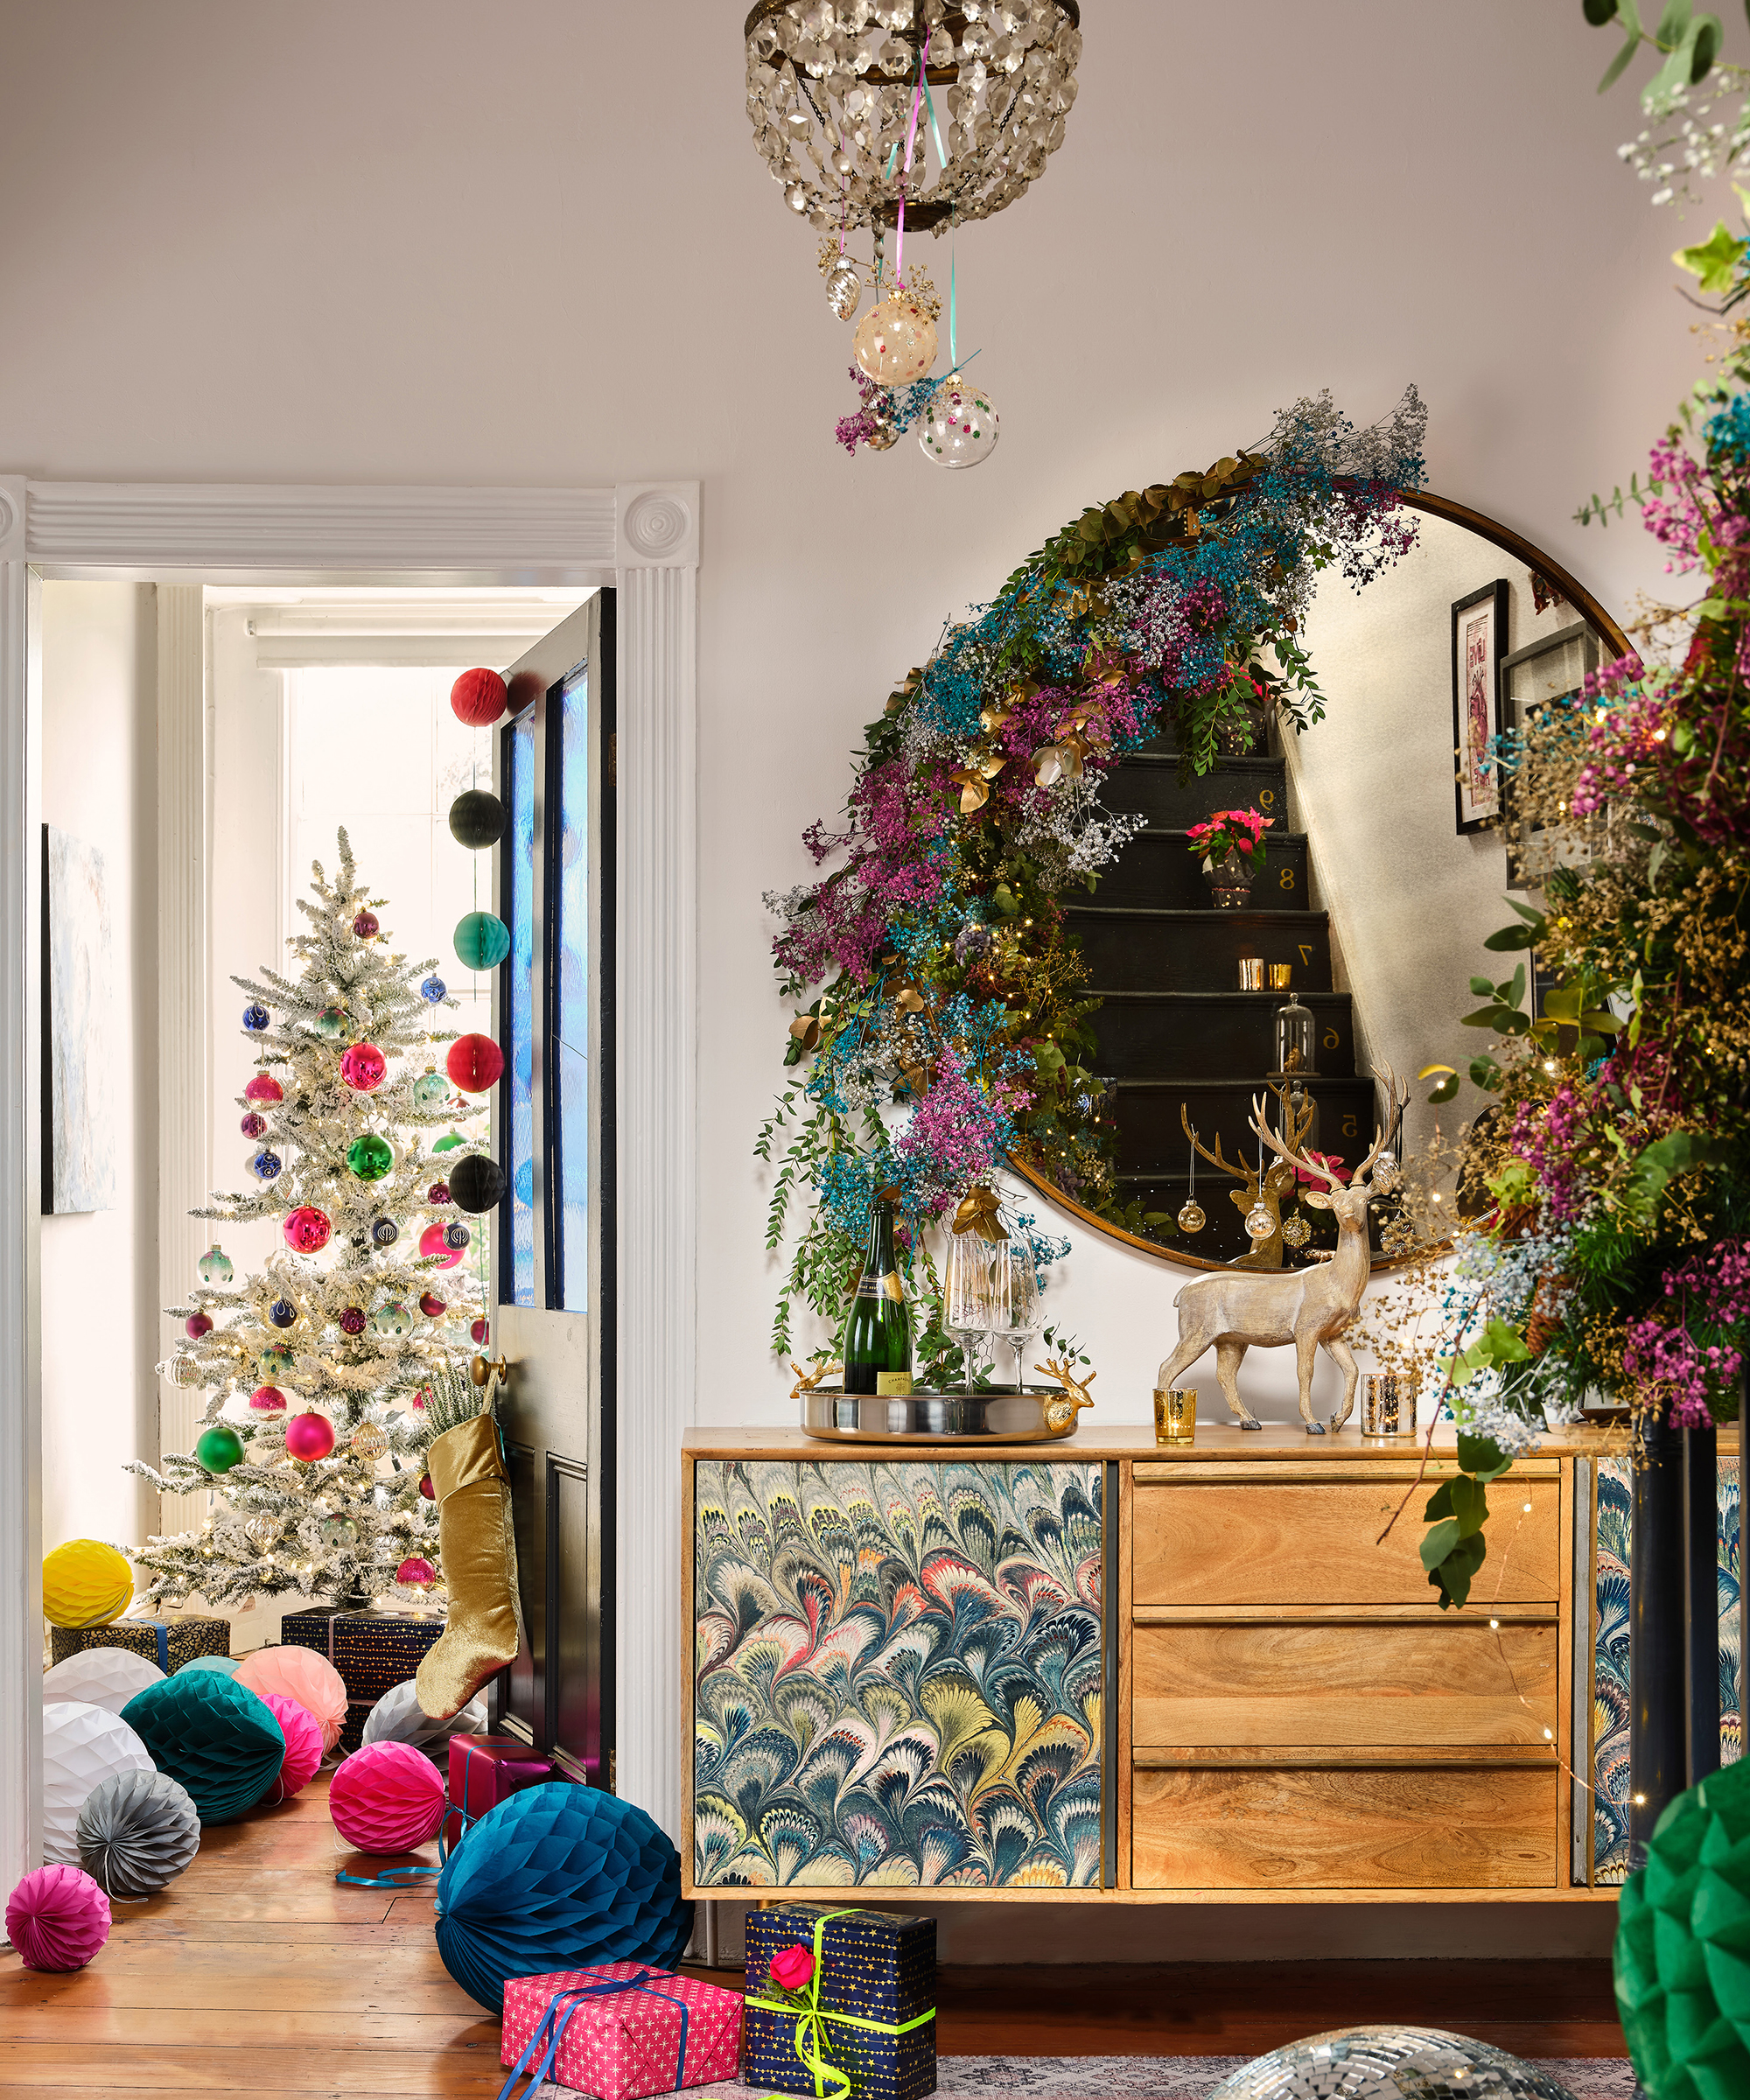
{"x":895,"y":342}
{"x":962,"y":428}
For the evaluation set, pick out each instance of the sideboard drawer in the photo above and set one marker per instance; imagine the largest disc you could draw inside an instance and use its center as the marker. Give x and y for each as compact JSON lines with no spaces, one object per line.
{"x":1384,"y":1682}
{"x":1366,"y":1828}
{"x":1304,"y":1540}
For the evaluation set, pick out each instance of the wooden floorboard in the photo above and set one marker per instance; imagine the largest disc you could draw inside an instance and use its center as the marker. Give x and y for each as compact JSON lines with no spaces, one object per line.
{"x":254,"y":1972}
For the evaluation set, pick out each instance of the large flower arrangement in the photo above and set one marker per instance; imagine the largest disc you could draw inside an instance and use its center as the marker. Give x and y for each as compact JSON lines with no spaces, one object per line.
{"x":1608,"y":1249}
{"x":947,"y":1022}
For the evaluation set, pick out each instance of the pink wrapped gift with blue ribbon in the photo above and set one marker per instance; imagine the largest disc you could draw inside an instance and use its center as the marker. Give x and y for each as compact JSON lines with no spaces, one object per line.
{"x":619,"y":2031}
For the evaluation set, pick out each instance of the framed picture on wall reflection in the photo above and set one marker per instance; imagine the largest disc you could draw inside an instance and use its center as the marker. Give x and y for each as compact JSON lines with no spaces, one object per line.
{"x":1479,"y":644}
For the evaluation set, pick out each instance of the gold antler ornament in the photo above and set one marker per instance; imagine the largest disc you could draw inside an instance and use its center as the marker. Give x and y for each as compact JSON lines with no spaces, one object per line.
{"x":1060,"y":1412}
{"x":807,"y":1381}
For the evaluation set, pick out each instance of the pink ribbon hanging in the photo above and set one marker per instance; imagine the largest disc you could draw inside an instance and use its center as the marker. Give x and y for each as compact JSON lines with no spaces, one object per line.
{"x":911,"y":144}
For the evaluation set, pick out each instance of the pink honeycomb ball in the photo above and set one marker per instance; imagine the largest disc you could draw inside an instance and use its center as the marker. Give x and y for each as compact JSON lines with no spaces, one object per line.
{"x":363,"y":1067}
{"x":299,"y":1674}
{"x":263,"y":1087}
{"x":57,"y":1918}
{"x":303,"y":1744}
{"x":308,"y":1437}
{"x":307,"y":1230}
{"x":387,"y":1798}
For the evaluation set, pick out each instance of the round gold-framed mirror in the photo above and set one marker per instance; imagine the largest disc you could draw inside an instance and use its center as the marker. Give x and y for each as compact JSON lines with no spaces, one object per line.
{"x":1385,"y":867}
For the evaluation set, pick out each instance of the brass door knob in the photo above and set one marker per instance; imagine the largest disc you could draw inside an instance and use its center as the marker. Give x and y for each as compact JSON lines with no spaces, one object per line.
{"x":480,"y":1370}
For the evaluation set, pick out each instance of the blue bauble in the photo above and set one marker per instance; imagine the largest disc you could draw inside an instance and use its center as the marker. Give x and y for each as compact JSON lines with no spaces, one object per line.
{"x":257,"y":1017}
{"x":384,"y":1232}
{"x":456,"y":1235}
{"x":558,"y":1877}
{"x":265,"y":1165}
{"x":283,"y":1313}
{"x":434,"y":991}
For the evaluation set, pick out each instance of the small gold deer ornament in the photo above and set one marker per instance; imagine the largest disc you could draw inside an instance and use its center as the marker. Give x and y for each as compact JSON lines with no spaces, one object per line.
{"x":1061,"y":1409}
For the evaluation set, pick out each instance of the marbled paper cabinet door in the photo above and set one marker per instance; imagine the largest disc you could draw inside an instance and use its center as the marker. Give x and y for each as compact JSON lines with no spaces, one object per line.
{"x":900,"y":1675}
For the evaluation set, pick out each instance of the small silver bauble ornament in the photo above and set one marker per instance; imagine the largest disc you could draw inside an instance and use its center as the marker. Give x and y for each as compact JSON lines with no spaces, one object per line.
{"x":844,"y":290}
{"x":884,"y":436}
{"x":1259,"y":1223}
{"x":1386,"y":1174}
{"x":1296,"y":1230}
{"x":261,"y":1532}
{"x":1191,"y":1218}
{"x":1390,"y":2063}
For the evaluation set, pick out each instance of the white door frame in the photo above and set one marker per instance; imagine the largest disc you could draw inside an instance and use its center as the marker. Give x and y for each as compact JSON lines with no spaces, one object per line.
{"x":642,"y":538}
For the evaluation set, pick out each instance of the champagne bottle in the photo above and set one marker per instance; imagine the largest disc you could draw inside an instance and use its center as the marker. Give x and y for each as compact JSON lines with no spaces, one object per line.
{"x":878,"y":1335}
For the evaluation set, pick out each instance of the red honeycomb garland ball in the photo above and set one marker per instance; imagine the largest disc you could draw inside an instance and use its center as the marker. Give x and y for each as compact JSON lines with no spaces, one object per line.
{"x":475,"y":1063}
{"x":479,"y":698}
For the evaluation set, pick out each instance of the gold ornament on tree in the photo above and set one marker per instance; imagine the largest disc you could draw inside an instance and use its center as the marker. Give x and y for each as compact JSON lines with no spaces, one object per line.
{"x":367,"y":1442}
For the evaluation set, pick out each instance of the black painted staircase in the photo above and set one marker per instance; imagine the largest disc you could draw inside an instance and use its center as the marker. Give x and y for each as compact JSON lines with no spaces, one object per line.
{"x":1175,"y":1028}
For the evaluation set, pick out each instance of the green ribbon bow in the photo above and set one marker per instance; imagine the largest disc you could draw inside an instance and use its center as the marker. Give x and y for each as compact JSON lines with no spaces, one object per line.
{"x":808,"y":2038}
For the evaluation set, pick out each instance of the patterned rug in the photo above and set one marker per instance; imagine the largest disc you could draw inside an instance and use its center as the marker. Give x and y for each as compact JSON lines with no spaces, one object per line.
{"x":1172,"y":2077}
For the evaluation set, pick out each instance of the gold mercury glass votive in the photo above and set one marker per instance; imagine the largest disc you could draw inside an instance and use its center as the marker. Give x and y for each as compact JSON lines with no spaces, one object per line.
{"x":1281,"y":976}
{"x":1388,"y":1405}
{"x":1251,"y":973}
{"x":1175,"y":1415}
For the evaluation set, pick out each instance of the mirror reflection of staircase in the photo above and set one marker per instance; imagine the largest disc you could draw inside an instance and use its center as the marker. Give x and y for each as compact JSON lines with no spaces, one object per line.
{"x":1175,"y":1030}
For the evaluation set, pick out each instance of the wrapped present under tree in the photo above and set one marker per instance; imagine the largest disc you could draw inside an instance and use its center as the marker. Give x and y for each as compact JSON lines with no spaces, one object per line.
{"x":840,"y":2002}
{"x":620,"y":2030}
{"x":169,"y":1642}
{"x":373,"y":1652}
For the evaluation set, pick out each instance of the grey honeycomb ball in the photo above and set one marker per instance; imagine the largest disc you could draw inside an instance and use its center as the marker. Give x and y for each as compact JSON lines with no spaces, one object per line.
{"x":1390,"y":2063}
{"x":137,"y":1831}
{"x":398,"y":1717}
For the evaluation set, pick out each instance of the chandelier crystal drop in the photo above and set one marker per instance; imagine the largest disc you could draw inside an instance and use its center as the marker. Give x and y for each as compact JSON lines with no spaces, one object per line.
{"x":830,"y":91}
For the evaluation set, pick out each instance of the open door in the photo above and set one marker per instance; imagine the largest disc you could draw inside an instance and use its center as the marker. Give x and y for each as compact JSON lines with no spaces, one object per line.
{"x":553,"y":1134}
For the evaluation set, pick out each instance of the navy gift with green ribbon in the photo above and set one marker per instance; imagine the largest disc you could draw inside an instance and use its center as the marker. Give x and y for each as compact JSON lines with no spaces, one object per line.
{"x":863,"y":2027}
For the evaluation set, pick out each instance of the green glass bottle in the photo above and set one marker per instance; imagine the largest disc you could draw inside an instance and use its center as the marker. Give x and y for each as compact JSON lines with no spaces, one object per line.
{"x":878,"y":1335}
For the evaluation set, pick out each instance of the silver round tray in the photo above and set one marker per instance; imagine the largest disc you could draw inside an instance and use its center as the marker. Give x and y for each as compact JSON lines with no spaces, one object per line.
{"x":994,"y":1417}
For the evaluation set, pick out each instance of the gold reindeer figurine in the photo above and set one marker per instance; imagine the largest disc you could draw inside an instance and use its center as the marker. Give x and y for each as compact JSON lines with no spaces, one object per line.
{"x":1061,"y":1409}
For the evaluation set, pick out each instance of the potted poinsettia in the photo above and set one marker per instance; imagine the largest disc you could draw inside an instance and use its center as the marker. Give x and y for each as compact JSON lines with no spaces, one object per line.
{"x":1231,"y":846}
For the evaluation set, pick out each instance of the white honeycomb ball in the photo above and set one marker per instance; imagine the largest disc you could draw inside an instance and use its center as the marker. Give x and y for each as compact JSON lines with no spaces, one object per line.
{"x":82,"y":1747}
{"x":100,"y":1676}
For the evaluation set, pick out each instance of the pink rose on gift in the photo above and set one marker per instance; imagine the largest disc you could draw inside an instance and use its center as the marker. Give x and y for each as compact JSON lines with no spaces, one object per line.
{"x":793,"y":1968}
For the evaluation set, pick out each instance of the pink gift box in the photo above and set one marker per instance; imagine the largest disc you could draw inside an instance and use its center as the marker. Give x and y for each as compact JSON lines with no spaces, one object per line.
{"x":484,"y":1770}
{"x":662,"y":2033}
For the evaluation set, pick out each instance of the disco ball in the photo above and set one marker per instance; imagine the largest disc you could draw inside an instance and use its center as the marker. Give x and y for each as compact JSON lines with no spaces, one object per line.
{"x":1390,"y":2063}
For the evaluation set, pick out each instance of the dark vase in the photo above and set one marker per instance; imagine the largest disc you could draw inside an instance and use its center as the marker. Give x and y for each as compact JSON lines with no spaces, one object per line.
{"x":1230,"y":881}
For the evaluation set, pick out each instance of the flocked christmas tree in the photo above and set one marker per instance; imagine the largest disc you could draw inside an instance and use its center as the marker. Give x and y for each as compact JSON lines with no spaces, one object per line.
{"x":321,"y":1360}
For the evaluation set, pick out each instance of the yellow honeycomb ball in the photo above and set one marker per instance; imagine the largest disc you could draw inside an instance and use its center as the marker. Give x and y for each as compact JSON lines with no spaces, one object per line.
{"x":86,"y":1583}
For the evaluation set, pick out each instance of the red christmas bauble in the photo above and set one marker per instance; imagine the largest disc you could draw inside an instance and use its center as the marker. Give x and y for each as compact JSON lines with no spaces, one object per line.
{"x":365,"y":924}
{"x":307,"y":1230}
{"x":362,"y":1068}
{"x":417,"y":1571}
{"x":427,"y":1489}
{"x":308,"y":1437}
{"x":431,"y":1242}
{"x":475,"y":1063}
{"x":263,"y":1087}
{"x":432,"y":1307}
{"x":438,"y":1192}
{"x":268,"y":1400}
{"x":479,"y":698}
{"x":196,"y":1325}
{"x":352,"y":1321}
{"x":479,"y":1330}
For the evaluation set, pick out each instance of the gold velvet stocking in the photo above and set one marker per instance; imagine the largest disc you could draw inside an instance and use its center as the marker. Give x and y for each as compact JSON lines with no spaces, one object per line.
{"x":478,"y":1548}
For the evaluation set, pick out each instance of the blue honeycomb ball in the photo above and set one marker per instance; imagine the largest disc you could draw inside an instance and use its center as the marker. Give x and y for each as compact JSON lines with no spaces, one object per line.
{"x":265,"y":1165}
{"x":212,"y":1736}
{"x":434,"y":991}
{"x":456,"y":1235}
{"x":558,"y":1877}
{"x":283,"y":1313}
{"x":257,"y":1017}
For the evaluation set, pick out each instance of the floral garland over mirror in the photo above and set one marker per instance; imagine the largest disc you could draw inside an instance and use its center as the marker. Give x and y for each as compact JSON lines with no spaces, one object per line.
{"x":948,"y":1022}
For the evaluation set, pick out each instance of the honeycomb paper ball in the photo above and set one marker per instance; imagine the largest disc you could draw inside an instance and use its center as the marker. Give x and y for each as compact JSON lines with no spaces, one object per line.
{"x":387,"y":1798}
{"x":482,"y":941}
{"x":474,"y":1063}
{"x":399,"y":1718}
{"x":477,"y":819}
{"x":137,"y":1832}
{"x":476,"y":1183}
{"x":57,"y":1918}
{"x":558,"y":1877}
{"x":86,"y":1583}
{"x":82,"y":1747}
{"x":479,"y":698}
{"x":229,"y":1664}
{"x":213,"y":1736}
{"x":303,"y":1745}
{"x":100,"y":1676}
{"x":300,"y":1674}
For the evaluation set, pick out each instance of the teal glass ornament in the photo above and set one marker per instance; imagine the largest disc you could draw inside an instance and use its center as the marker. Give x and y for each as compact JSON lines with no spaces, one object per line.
{"x":392,"y":1321}
{"x":330,"y":1023}
{"x":218,"y":1448}
{"x":215,"y":1265}
{"x":431,"y":1090}
{"x":370,"y":1156}
{"x":482,"y":941}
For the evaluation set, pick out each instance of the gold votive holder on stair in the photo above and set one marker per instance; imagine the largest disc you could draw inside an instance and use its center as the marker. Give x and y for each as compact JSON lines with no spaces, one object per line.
{"x":1175,"y":1415}
{"x":1281,"y":976}
{"x":1251,"y":973}
{"x":1388,"y":1405}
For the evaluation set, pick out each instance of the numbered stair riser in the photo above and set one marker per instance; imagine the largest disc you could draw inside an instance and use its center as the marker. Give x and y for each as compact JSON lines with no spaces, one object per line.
{"x":1188,"y":1035}
{"x":1149,"y":785}
{"x":1159,"y":870}
{"x":1157,"y":951}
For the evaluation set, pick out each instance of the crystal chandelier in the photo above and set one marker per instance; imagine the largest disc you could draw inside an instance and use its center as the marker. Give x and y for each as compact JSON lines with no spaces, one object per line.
{"x":833,"y":88}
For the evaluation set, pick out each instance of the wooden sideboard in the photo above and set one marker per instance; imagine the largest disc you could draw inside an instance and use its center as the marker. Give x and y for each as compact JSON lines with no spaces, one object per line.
{"x":1105,"y":1671}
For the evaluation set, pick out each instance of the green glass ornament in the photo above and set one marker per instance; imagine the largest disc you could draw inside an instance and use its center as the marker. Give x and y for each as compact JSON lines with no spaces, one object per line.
{"x":392,"y":1321}
{"x":276,"y":1362}
{"x":482,"y":941}
{"x":431,"y":1090}
{"x":330,"y":1022}
{"x":449,"y":1144}
{"x":220,"y":1448}
{"x":370,"y":1156}
{"x":215,"y":1265}
{"x":339,"y":1531}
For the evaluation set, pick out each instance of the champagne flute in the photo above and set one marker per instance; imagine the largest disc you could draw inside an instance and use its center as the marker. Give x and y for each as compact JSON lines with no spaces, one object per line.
{"x":1015,"y":1296}
{"x":967,"y":1295}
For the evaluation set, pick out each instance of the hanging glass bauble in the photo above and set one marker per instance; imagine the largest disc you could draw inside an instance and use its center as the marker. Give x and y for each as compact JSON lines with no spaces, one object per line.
{"x":185,"y":1371}
{"x":308,"y":1437}
{"x":265,"y":1165}
{"x":432,"y":1244}
{"x":1387,"y":1173}
{"x":432,"y":1306}
{"x":218,"y":1448}
{"x":1259,"y":1223}
{"x":392,"y":1319}
{"x":438,"y":1192}
{"x":338,"y":1532}
{"x":384,"y":1232}
{"x":1296,"y":1230}
{"x":307,"y":1230}
{"x":457,"y":1235}
{"x":1191,"y":1218}
{"x":884,"y":430}
{"x":844,"y":290}
{"x":370,"y":1156}
{"x":895,"y":342}
{"x":330,"y":1023}
{"x":268,"y":1400}
{"x":430,"y":1089}
{"x":367,"y":1442}
{"x":262,"y":1532}
{"x":214,"y":1265}
{"x":264,"y":1086}
{"x":256,"y":1017}
{"x":283,"y":1313}
{"x":253,"y":1125}
{"x":362,"y":1068}
{"x":479,"y":1329}
{"x":962,"y":428}
{"x":196,"y":1325}
{"x":276,"y":1361}
{"x":352,"y":1320}
{"x":434,"y":991}
{"x":416,"y":1572}
{"x":365,"y":926}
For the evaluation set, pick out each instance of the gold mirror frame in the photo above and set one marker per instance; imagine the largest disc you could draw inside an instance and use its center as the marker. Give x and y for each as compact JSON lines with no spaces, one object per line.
{"x":1577,"y":596}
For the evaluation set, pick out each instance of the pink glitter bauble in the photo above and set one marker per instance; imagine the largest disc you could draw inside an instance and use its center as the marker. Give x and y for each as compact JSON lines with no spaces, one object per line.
{"x":299,"y":1674}
{"x":263,"y":1087}
{"x":308,"y":1437}
{"x":196,"y":1325}
{"x":58,"y":1918}
{"x":307,"y":1230}
{"x":362,"y":1068}
{"x":416,"y":1571}
{"x":303,"y":1744}
{"x":352,"y":1320}
{"x":268,"y":1400}
{"x":387,"y":1798}
{"x":431,"y":1242}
